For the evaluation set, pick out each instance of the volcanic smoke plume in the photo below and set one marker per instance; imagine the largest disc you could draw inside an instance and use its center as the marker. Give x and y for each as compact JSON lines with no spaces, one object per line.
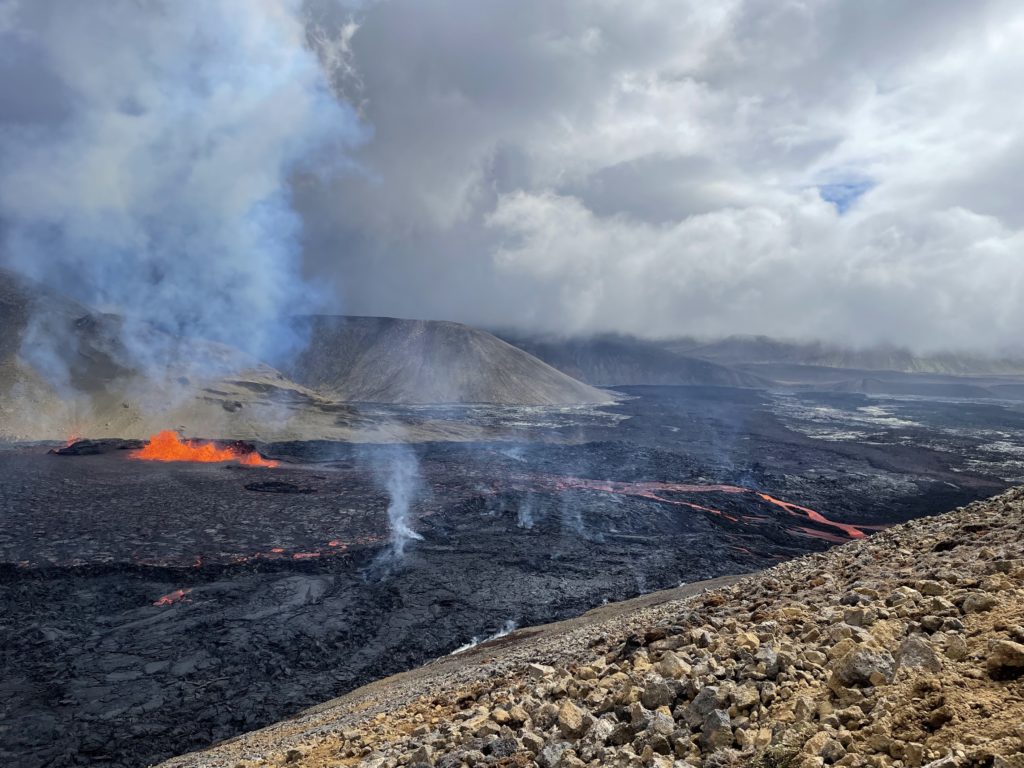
{"x":398,"y":470}
{"x":155,"y":180}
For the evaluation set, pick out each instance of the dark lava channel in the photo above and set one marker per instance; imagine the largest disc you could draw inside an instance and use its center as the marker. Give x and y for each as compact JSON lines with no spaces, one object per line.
{"x":150,"y":609}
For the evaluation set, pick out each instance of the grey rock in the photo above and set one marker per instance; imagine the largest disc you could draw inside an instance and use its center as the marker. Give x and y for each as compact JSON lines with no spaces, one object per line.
{"x":424,"y":754}
{"x":716,"y":731}
{"x":917,"y":653}
{"x":551,"y":755}
{"x":501,"y":748}
{"x":703,"y":703}
{"x":657,"y":694}
{"x":864,"y":667}
{"x":978,"y":602}
{"x":601,"y":730}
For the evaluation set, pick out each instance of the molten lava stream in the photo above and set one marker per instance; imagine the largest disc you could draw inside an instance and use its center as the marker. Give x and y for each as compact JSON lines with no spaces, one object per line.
{"x":167,"y":446}
{"x":795,"y":509}
{"x":656,"y":491}
{"x":171,"y":598}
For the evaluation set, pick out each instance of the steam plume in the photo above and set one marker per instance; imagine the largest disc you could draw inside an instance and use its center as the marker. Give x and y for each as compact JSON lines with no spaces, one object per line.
{"x":402,"y":480}
{"x":524,"y":514}
{"x":397,"y":470}
{"x":507,"y":628}
{"x":159,"y":183}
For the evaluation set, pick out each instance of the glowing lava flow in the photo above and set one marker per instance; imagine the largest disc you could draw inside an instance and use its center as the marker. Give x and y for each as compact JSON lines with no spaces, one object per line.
{"x":167,"y":446}
{"x":656,"y":491}
{"x":796,"y":509}
{"x":171,"y":598}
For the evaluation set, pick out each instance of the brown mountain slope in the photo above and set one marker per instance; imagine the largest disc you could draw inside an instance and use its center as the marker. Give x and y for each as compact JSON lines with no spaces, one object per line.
{"x":901,"y":650}
{"x":67,"y":370}
{"x":387,"y":360}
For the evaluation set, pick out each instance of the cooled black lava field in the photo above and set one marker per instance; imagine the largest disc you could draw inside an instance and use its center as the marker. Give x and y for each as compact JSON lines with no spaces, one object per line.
{"x":147,"y":609}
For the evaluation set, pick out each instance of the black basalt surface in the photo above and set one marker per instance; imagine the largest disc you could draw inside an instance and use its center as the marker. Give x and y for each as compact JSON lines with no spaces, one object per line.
{"x":148,"y":609}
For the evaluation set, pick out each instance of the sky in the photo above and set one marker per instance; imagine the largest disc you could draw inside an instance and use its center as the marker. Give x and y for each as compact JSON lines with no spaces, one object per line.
{"x":848,"y":171}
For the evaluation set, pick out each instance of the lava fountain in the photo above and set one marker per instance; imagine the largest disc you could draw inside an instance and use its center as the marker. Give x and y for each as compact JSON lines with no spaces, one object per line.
{"x":167,"y":446}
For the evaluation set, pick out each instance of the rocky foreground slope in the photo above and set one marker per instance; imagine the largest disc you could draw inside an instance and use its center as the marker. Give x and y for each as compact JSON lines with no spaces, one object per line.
{"x":906,"y":649}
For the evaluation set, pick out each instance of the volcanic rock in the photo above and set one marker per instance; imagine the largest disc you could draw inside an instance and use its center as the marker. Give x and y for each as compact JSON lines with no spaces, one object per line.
{"x":917,"y":653}
{"x":1005,"y":660}
{"x":97,"y":447}
{"x":864,"y":667}
{"x":836,"y":697}
{"x":624,"y":360}
{"x":276,"y":486}
{"x":572,"y":721}
{"x":716,"y":731}
{"x":657,"y":694}
{"x":976,"y":602}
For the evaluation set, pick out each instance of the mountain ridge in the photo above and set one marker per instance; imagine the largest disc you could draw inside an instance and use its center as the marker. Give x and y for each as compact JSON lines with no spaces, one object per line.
{"x":381,"y":359}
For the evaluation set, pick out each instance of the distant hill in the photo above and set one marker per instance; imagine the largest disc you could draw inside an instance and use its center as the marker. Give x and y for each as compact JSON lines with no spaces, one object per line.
{"x":623,"y":360}
{"x":388,"y":360}
{"x":65,"y":371}
{"x":747,"y":350}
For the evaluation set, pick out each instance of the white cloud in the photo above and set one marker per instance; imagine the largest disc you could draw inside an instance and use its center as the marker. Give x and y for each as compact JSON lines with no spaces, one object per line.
{"x":798,"y":267}
{"x":649,"y":166}
{"x":655,"y":168}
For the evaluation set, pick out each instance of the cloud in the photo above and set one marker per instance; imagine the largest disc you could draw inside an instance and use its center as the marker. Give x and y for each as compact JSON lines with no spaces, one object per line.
{"x":825,"y":169}
{"x":660,"y":168}
{"x":801,"y":269}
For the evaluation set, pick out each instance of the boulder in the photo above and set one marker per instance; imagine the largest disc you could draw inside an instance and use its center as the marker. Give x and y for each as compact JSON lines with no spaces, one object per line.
{"x":716,"y":731}
{"x":863,"y":667}
{"x":672,"y":666}
{"x":656,"y":694}
{"x":917,"y":653}
{"x":572,"y":721}
{"x":978,"y":602}
{"x":1005,"y":660}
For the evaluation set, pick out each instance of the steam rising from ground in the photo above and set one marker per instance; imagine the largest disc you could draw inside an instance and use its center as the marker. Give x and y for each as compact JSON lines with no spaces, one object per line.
{"x":152,"y":175}
{"x":397,"y":470}
{"x":507,"y":628}
{"x":402,"y":480}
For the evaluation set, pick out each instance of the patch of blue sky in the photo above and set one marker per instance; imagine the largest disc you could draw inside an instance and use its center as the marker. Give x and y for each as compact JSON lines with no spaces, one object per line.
{"x":843,"y":194}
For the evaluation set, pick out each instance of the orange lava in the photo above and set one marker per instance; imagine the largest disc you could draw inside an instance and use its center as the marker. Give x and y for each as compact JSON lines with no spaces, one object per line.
{"x":656,"y":491}
{"x":167,"y":446}
{"x":795,"y":509}
{"x":172,"y":597}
